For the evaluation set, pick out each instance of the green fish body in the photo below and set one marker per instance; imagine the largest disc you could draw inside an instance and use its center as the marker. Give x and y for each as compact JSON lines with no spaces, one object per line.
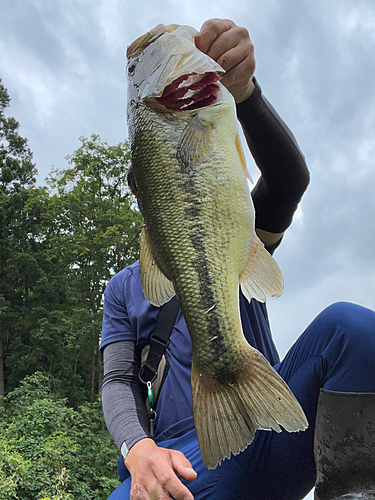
{"x":199,"y":240}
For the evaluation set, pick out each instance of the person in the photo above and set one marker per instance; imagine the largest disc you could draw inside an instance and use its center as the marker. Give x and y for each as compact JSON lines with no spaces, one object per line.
{"x":335,"y":353}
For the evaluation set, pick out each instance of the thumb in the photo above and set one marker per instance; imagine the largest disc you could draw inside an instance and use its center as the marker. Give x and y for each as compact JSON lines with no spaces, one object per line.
{"x":182,"y":466}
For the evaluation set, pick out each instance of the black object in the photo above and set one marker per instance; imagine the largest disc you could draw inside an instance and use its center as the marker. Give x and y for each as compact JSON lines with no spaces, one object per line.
{"x":344,"y":446}
{"x":159,"y":340}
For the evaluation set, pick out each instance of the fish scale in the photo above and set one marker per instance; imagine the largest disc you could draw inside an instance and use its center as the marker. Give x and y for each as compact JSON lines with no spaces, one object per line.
{"x":199,"y":241}
{"x":190,"y":242}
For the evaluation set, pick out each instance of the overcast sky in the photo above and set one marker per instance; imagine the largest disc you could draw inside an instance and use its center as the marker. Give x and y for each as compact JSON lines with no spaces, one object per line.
{"x":63,"y":64}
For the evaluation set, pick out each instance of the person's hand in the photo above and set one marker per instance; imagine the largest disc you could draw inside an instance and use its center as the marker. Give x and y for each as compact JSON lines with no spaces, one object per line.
{"x":154,"y":472}
{"x":231,"y":47}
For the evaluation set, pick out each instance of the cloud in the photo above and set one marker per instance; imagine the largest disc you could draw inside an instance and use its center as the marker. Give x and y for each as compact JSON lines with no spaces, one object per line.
{"x":64,"y":66}
{"x":63,"y":63}
{"x":292,"y":313}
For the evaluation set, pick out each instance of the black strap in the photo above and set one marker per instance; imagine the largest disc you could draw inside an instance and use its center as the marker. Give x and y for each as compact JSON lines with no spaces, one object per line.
{"x":159,"y":340}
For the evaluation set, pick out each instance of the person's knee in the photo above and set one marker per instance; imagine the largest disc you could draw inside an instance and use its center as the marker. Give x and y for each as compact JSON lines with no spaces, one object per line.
{"x":341,"y":309}
{"x":348,"y":329}
{"x":350,"y":318}
{"x":350,"y":352}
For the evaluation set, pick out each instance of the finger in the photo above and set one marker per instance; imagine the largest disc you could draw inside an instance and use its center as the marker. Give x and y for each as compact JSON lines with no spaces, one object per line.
{"x":166,"y":477}
{"x":210,"y":30}
{"x":239,"y":74}
{"x":235,"y":38}
{"x":182,"y":466}
{"x":158,"y":493}
{"x":236,"y":56}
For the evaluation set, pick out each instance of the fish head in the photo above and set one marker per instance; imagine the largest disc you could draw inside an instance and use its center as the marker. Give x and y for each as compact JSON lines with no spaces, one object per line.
{"x":167,"y":72}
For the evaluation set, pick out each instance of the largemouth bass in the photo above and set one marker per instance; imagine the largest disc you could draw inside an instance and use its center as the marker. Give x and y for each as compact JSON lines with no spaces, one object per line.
{"x":198,"y":239}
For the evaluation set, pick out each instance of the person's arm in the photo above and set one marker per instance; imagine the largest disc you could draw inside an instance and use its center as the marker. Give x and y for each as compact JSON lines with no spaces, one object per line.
{"x":284,"y":173}
{"x":285,"y":176}
{"x":127,"y":421}
{"x":153,"y":469}
{"x":123,"y":402}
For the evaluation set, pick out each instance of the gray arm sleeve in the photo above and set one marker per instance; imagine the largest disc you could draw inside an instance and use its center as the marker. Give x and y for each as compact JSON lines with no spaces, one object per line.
{"x":123,"y":402}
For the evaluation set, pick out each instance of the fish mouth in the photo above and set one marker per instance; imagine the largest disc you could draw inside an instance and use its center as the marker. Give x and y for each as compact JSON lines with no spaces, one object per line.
{"x":191,"y":91}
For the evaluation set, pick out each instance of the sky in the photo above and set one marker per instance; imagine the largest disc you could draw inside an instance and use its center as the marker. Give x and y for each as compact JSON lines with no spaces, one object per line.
{"x":63,"y":64}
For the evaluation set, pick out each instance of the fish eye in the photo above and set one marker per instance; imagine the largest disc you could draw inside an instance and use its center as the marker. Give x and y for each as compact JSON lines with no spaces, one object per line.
{"x":131,"y":68}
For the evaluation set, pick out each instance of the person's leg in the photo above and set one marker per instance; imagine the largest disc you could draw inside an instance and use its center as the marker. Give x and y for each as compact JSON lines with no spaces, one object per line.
{"x":122,"y":470}
{"x":337,"y":353}
{"x":122,"y":492}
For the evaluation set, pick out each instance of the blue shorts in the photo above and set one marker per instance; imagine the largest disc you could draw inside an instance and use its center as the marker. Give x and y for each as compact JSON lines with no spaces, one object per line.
{"x":336,"y":352}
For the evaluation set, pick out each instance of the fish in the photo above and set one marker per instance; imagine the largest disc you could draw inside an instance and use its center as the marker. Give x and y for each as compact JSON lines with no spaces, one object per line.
{"x":198,"y":239}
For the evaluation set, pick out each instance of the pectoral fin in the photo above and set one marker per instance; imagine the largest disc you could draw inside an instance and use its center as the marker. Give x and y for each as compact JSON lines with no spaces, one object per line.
{"x":195,"y":143}
{"x":157,"y":288}
{"x":261,"y":277}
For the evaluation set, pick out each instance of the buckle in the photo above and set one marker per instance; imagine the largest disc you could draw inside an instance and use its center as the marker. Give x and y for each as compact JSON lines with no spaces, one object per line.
{"x":142,"y":371}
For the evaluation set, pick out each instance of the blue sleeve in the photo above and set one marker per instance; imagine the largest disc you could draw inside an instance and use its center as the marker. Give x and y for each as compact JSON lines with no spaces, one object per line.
{"x":116,"y":323}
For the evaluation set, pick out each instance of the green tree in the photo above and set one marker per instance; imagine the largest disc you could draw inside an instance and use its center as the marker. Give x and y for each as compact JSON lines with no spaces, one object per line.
{"x":59,"y":246}
{"x":17,"y":181}
{"x":47,"y":449}
{"x":32,"y":286}
{"x":95,"y":233}
{"x":17,"y":168}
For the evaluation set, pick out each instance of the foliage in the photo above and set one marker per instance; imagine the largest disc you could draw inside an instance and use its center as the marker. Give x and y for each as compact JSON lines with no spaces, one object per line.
{"x":17,"y":169}
{"x":19,"y":222}
{"x":13,"y":469}
{"x":51,"y":450}
{"x":59,"y":246}
{"x":93,"y":214}
{"x":95,"y":234}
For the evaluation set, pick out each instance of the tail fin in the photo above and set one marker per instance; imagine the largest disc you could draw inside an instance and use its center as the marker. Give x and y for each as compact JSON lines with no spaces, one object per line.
{"x":227,"y":416}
